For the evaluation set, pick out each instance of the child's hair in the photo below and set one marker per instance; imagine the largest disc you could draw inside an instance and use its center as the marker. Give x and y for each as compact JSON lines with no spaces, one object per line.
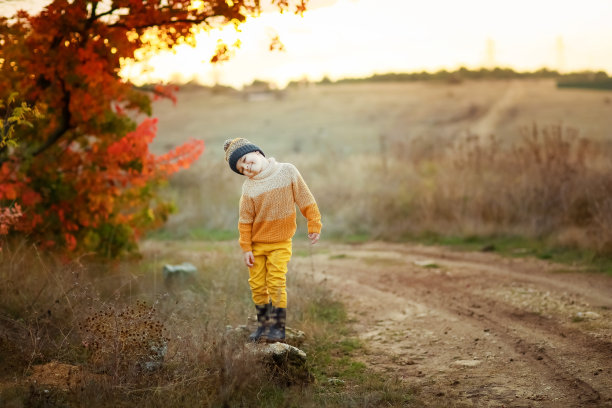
{"x":236,"y":148}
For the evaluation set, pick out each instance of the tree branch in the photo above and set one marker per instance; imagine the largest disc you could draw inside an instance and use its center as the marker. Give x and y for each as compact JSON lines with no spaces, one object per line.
{"x":63,"y":126}
{"x":160,"y":23}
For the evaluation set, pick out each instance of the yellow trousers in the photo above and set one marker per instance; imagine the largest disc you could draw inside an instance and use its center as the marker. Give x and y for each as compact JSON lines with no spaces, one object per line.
{"x":267,"y":276}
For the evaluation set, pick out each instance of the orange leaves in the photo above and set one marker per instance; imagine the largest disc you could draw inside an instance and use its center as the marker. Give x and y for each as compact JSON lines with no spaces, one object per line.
{"x":165,"y":91}
{"x":180,"y":157}
{"x":118,"y":189}
{"x":91,"y":65}
{"x":131,"y":156}
{"x":84,"y":175}
{"x":5,"y":170}
{"x":71,"y":242}
{"x":14,"y":186}
{"x":8,"y":192}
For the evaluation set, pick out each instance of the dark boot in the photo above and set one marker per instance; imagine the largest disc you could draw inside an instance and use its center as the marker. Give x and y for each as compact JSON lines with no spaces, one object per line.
{"x":278,"y":316}
{"x":263,"y":315}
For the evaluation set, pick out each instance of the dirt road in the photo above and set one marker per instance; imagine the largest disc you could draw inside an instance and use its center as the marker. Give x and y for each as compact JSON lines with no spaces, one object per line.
{"x":475,"y":329}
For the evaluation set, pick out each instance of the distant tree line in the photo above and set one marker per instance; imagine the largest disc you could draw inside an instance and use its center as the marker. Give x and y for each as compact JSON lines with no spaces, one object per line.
{"x":582,"y":79}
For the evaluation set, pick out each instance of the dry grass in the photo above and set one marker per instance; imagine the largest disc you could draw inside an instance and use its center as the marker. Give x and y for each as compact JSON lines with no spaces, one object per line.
{"x":550,"y":183}
{"x":394,"y":161}
{"x":115,"y":334}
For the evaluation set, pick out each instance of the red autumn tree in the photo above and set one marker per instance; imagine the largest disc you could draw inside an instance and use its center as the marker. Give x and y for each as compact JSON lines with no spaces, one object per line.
{"x":83,"y":174}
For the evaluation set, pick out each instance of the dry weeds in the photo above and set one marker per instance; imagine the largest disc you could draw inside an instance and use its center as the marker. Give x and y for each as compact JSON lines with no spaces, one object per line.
{"x":397,"y":161}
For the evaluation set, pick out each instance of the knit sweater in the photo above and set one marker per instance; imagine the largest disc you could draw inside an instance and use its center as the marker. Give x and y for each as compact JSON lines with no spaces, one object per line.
{"x":267,"y":206}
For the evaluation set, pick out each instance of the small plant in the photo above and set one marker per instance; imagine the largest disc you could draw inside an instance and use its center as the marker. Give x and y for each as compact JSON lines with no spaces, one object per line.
{"x":122,"y":341}
{"x":21,"y":115}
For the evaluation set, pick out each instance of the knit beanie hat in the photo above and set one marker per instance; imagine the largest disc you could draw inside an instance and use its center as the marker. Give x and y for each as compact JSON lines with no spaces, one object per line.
{"x":236,"y":148}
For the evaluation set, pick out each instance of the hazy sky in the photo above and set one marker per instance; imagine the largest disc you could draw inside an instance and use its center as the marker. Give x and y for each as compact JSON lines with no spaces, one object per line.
{"x":339,"y":38}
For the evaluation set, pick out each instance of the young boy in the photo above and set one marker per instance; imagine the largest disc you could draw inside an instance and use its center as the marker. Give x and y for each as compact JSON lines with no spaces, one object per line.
{"x":267,"y":222}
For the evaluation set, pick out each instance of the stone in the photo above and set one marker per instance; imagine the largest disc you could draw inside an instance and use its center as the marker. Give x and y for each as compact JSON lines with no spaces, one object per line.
{"x":156,"y":358}
{"x":279,"y":353}
{"x":293,"y":337}
{"x":185,"y":268}
{"x":335,"y":381}
{"x":286,"y":362}
{"x":467,"y":363}
{"x":178,"y":275}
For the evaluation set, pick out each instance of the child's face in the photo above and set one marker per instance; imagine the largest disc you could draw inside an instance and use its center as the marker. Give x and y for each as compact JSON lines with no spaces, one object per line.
{"x":251,"y":164}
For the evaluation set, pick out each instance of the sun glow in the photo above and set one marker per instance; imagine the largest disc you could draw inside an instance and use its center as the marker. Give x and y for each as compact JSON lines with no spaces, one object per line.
{"x":354,"y":38}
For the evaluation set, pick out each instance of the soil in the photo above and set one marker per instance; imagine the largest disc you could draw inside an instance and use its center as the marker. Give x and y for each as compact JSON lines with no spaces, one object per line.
{"x":474,"y":329}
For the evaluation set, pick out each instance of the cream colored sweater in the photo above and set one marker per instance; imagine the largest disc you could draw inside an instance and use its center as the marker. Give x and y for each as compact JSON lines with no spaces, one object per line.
{"x":267,"y":206}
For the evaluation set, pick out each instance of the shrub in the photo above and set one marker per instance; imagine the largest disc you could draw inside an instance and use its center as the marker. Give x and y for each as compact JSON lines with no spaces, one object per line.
{"x":122,"y":341}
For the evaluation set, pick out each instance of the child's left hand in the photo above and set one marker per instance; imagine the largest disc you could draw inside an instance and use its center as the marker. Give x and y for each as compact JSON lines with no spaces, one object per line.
{"x":314,"y":238}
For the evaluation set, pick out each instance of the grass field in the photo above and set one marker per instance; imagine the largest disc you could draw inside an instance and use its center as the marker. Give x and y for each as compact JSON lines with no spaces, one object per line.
{"x":81,"y":334}
{"x":404,"y":160}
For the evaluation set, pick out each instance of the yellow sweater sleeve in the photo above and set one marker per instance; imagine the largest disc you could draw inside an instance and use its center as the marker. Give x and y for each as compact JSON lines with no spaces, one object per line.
{"x":306,"y":203}
{"x":245,"y":223}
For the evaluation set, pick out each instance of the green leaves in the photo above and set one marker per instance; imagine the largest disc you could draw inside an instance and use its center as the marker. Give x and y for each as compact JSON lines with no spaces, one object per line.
{"x":22,"y":115}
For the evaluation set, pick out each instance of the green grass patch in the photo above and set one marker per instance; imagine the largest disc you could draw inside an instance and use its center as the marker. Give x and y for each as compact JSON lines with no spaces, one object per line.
{"x":338,"y":256}
{"x":328,"y":311}
{"x":432,"y":266}
{"x":341,"y":379}
{"x":514,"y":246}
{"x":378,"y":260}
{"x":197,"y":234}
{"x":352,"y":238}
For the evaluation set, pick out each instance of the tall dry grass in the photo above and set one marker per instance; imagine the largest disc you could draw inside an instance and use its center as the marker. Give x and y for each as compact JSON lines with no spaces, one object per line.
{"x":113,"y":319}
{"x":550,"y":183}
{"x":397,"y":160}
{"x":108,"y":323}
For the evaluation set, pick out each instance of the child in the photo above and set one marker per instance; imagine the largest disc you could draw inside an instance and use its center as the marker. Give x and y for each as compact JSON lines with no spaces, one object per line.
{"x":266,"y":225}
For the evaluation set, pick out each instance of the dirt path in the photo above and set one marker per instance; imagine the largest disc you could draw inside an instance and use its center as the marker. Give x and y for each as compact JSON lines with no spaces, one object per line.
{"x":475,"y":329}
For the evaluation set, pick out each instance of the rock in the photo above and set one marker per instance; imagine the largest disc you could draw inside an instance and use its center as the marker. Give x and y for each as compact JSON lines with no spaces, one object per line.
{"x":294,"y":337}
{"x":286,"y":362}
{"x":592,"y":315}
{"x":586,"y":316}
{"x":184,"y":268}
{"x":467,"y":363}
{"x":181,"y":274}
{"x":335,"y":381}
{"x":156,"y":358}
{"x":283,"y":352}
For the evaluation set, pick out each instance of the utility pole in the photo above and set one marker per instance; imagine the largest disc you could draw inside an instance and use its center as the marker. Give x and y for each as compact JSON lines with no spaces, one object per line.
{"x":560,"y":48}
{"x":490,"y":54}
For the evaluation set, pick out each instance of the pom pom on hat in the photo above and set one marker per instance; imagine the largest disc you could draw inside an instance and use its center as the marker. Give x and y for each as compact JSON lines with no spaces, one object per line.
{"x":236,"y":148}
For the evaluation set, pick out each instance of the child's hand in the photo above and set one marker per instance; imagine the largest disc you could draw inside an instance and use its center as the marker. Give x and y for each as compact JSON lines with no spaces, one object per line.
{"x":314,"y":238}
{"x":249,"y":258}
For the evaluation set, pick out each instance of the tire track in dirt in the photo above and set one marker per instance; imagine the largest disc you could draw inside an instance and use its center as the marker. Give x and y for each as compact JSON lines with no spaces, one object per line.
{"x":538,"y":355}
{"x":540,"y":328}
{"x":475,"y":329}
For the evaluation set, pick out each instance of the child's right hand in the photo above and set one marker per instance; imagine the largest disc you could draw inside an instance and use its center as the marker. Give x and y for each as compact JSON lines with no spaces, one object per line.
{"x":249,"y":258}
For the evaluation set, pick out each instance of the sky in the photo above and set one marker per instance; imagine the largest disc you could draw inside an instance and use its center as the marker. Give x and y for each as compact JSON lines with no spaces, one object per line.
{"x":356,"y":38}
